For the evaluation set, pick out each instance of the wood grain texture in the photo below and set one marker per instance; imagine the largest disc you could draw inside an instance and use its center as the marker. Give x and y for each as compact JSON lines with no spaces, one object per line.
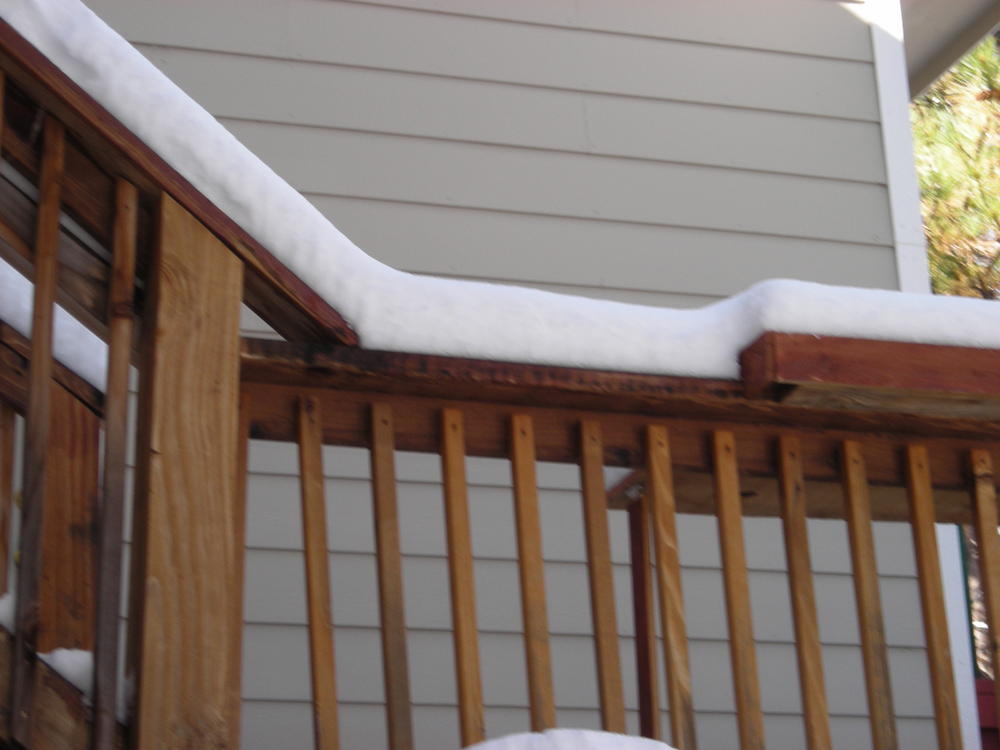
{"x":532,"y":574}
{"x":38,"y":424}
{"x":800,"y":581}
{"x":7,"y":438}
{"x":792,"y":358}
{"x":63,"y":712}
{"x":186,"y":545}
{"x":742,"y":650}
{"x":239,"y":572}
{"x":857,"y":513}
{"x":399,"y":712}
{"x":317,"y":562}
{"x":461,"y":578}
{"x":82,"y":286}
{"x":16,"y":369}
{"x":602,"y":594}
{"x":662,"y":505}
{"x":838,"y":372}
{"x":69,"y":544}
{"x":109,"y":575}
{"x":283,"y":299}
{"x":644,"y":616}
{"x":984,"y":499}
{"x":949,"y":730}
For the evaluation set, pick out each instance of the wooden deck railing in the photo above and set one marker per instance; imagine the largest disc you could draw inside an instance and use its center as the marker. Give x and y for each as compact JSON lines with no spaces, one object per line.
{"x":342,"y":395}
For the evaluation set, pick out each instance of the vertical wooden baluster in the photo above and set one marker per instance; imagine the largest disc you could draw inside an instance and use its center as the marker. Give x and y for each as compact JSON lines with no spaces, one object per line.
{"x":120,"y":312}
{"x":662,"y":505}
{"x":857,"y":512}
{"x":984,"y":507}
{"x":529,"y":548}
{"x":602,"y":595}
{"x":6,"y":440}
{"x":38,"y":423}
{"x":317,"y":560}
{"x":390,"y":580}
{"x":921,"y":496}
{"x":460,"y":573}
{"x":645,"y":622}
{"x":6,"y":488}
{"x":737,"y":588}
{"x":807,"y":645}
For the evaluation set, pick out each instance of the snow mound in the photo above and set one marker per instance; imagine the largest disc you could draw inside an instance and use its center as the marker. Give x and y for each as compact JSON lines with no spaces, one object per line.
{"x":570,"y":739}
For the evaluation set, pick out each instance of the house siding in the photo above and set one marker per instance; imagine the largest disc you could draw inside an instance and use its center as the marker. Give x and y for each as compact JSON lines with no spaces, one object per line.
{"x":666,"y":153}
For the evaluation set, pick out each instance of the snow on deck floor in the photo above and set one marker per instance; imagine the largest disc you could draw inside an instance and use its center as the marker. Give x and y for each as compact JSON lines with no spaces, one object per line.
{"x":570,"y":739}
{"x":397,"y":311}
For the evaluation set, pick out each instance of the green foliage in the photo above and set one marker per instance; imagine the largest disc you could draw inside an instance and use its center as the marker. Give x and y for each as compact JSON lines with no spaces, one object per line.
{"x":956,"y":129}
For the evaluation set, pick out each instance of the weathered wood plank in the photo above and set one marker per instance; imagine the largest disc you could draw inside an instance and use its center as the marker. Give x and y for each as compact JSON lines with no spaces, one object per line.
{"x":556,"y":440}
{"x":62,"y":713}
{"x":602,"y":595}
{"x":7,"y":437}
{"x":83,"y":277}
{"x":120,"y":323}
{"x":984,"y":499}
{"x":239,"y":572}
{"x":532,"y":573}
{"x":317,"y":561}
{"x":457,"y":378}
{"x":839,"y":372}
{"x":800,"y":581}
{"x":69,"y":550}
{"x":949,"y":730}
{"x":38,"y":426}
{"x":186,"y":549}
{"x":662,"y":506}
{"x":460,"y":575}
{"x":399,"y":714}
{"x":736,"y":582}
{"x":643,"y":605}
{"x":13,"y":342}
{"x":857,"y":513}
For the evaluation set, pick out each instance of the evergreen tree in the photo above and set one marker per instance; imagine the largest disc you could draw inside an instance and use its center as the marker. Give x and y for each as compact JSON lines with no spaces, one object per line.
{"x":956,"y":129}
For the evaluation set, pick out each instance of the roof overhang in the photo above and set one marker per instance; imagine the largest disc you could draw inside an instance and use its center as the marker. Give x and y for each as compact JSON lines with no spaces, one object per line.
{"x":938,"y":32}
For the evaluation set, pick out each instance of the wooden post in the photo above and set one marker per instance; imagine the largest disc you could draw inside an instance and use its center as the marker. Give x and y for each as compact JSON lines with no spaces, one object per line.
{"x":645,"y":620}
{"x":602,"y":595}
{"x":531,"y":567}
{"x":6,"y":487}
{"x":984,"y":508}
{"x":37,"y":425}
{"x":395,"y":664}
{"x":800,"y":581}
{"x":317,"y":559}
{"x":918,"y":484}
{"x":69,"y":550}
{"x":461,"y":577}
{"x":858,"y":514}
{"x":663,"y":511}
{"x":109,"y":574}
{"x":187,"y":550}
{"x":746,"y":686}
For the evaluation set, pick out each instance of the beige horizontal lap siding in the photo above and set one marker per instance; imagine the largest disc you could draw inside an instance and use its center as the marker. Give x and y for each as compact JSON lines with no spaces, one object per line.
{"x":497,"y":140}
{"x":571,"y":185}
